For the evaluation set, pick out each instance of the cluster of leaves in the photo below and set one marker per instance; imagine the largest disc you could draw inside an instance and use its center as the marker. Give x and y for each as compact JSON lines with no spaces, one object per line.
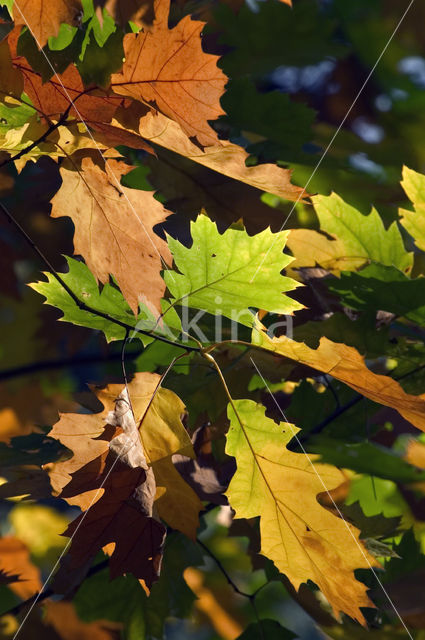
{"x":277,"y":378}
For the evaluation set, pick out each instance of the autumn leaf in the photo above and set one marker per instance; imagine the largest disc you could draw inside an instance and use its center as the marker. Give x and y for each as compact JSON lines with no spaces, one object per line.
{"x":304,"y":539}
{"x":225,"y":158}
{"x":347,"y":365}
{"x":16,"y":568}
{"x":114,"y":228}
{"x":122,"y":519}
{"x":229,"y":273}
{"x":162,"y":435}
{"x":354,"y":240}
{"x":44,"y":17}
{"x":414,"y":221}
{"x":167,"y":68}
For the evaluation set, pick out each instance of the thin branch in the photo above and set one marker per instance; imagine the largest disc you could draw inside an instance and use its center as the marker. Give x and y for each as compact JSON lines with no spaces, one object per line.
{"x":223,"y":570}
{"x":46,"y":365}
{"x":80,"y":304}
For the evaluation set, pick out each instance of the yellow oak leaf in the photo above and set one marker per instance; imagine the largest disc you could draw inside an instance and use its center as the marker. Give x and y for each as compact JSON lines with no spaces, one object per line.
{"x":304,"y":539}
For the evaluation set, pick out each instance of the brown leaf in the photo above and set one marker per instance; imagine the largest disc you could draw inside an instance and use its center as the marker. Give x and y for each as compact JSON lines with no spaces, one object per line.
{"x":225,"y":158}
{"x":16,"y":568}
{"x":44,"y":17}
{"x":53,"y":97}
{"x":123,"y":515}
{"x":114,"y":228}
{"x":167,"y":69}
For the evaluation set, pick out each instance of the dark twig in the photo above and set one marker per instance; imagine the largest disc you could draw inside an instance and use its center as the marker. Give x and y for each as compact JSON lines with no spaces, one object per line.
{"x":250,"y":596}
{"x":80,"y":304}
{"x":14,"y":611}
{"x":226,"y":575}
{"x":48,"y":365}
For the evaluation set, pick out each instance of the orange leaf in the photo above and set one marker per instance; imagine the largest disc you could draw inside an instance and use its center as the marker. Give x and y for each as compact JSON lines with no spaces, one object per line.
{"x":225,"y":158}
{"x":167,"y":69}
{"x":114,"y":228}
{"x":347,"y":365}
{"x":16,"y":568}
{"x":44,"y":17}
{"x":53,"y":97}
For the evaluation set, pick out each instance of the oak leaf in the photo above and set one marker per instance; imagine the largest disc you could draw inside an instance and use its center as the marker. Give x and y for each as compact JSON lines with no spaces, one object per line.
{"x":44,"y":17}
{"x":305,"y":540}
{"x":347,"y":365}
{"x":162,"y":435}
{"x":114,"y":228}
{"x":229,"y":273}
{"x":167,"y":69}
{"x":352,"y":239}
{"x":225,"y":158}
{"x":122,"y":520}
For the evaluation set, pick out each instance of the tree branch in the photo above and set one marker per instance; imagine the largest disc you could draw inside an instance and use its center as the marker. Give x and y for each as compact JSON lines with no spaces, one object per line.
{"x":46,"y":365}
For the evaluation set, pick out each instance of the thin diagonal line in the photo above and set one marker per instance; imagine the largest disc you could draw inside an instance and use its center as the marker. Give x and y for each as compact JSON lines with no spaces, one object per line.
{"x":332,"y":500}
{"x":324,"y":154}
{"x":95,"y":142}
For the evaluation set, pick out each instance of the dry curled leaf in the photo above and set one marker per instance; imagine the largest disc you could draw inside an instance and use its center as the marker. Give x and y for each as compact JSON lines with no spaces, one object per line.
{"x":124,"y":514}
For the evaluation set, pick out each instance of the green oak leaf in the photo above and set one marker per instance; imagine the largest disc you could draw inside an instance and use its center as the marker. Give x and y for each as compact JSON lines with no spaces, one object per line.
{"x":362,"y":235}
{"x":226,"y":274}
{"x":109,"y":300}
{"x":355,"y":239}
